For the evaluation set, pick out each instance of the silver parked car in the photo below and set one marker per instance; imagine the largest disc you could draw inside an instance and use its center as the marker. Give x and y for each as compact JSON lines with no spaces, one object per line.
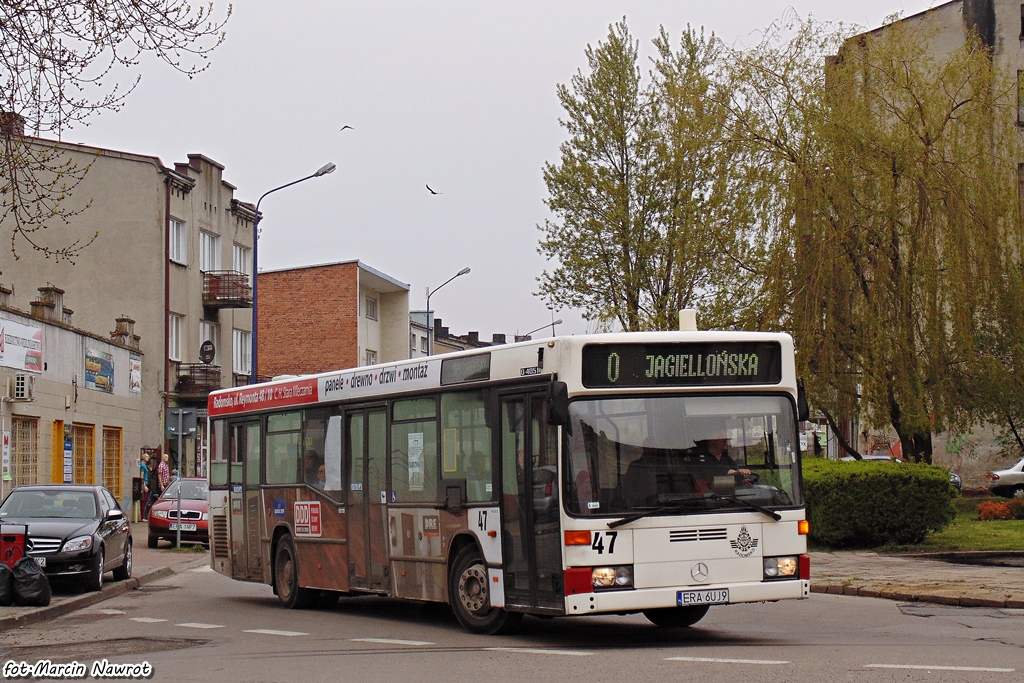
{"x":1008,"y":482}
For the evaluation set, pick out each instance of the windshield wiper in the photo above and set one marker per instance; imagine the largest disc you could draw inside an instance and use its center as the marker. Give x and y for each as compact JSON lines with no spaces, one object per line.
{"x":688,"y":502}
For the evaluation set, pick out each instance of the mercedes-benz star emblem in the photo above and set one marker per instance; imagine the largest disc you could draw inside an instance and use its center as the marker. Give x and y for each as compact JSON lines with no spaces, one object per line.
{"x":699,"y":572}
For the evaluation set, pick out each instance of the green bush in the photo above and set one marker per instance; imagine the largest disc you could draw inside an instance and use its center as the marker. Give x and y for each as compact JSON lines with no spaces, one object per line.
{"x":867,"y":504}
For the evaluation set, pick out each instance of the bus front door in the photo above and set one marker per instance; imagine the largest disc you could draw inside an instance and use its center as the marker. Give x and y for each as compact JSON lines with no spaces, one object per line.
{"x":531,"y":544}
{"x":366,"y":448}
{"x":246,"y":517}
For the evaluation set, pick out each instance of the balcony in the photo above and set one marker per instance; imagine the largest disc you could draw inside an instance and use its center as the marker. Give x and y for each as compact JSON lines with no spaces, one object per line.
{"x":226,"y":289}
{"x":197,"y":380}
{"x":242,"y":380}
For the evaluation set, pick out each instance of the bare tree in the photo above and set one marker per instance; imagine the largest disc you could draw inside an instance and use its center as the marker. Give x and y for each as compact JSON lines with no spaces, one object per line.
{"x":63,"y":61}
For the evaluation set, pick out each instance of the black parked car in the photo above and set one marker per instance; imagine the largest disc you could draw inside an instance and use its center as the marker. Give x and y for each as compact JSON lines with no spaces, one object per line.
{"x":73,"y":530}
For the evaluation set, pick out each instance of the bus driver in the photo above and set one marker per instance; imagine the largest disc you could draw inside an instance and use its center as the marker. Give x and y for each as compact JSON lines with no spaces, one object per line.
{"x":713,"y":460}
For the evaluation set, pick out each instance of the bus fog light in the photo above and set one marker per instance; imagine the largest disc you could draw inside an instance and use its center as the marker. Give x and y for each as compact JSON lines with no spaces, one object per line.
{"x":780,"y":567}
{"x":612,"y":577}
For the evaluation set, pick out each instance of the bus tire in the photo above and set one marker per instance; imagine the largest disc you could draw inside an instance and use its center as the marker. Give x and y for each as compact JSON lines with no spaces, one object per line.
{"x":286,"y":577}
{"x":676,"y":617}
{"x":469,"y":596}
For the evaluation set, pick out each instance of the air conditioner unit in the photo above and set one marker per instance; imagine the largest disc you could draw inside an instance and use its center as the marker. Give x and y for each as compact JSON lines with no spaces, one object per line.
{"x":24,"y":387}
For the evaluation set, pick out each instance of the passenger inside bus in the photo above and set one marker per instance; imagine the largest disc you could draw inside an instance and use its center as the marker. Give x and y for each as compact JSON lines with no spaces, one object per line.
{"x":313,"y":466}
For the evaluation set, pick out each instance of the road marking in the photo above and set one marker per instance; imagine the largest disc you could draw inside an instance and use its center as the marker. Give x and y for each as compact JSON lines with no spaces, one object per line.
{"x":391,"y":641}
{"x":111,"y":612}
{"x":723,"y":660}
{"x":193,"y":624}
{"x":990,"y":669}
{"x":538,"y":651}
{"x":147,"y":620}
{"x":272,"y":632}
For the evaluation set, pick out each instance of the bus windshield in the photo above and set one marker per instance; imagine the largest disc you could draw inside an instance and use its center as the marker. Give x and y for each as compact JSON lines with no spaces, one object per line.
{"x":679,"y":455}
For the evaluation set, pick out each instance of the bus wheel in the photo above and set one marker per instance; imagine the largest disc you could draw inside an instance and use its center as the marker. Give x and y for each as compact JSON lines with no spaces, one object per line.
{"x":676,"y":617}
{"x":286,"y":577}
{"x":469,"y":596}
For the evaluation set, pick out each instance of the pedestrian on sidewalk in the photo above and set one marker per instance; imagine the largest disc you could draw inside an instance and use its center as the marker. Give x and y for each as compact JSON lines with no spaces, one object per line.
{"x":164,"y":470}
{"x":144,"y":474}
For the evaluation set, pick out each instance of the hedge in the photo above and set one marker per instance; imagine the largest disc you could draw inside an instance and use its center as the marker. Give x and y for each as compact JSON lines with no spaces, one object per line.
{"x":866,"y":504}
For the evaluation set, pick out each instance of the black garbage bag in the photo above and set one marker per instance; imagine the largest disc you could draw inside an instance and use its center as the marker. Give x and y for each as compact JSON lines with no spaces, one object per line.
{"x":6,"y":586}
{"x":31,"y":587}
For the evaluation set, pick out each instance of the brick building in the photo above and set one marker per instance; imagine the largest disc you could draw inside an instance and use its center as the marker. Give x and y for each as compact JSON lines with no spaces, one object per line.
{"x":330,"y":316}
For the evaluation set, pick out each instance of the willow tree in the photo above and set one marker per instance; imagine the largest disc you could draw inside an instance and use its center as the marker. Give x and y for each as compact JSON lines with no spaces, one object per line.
{"x":900,"y":213}
{"x":62,"y":62}
{"x":643,"y":193}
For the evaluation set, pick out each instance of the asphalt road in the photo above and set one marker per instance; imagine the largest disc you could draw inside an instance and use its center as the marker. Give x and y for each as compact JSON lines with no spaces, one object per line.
{"x":200,"y":626}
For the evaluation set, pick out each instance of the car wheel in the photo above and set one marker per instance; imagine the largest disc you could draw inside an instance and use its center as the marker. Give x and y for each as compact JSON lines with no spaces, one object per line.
{"x":124,"y":572}
{"x":469,"y":596}
{"x":153,"y":542}
{"x":1018,"y":492}
{"x":676,"y":617}
{"x":94,"y":581}
{"x":286,"y":577}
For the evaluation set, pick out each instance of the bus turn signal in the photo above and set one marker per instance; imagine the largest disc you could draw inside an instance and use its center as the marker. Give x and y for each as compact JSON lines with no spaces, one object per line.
{"x":803,"y":527}
{"x":577,"y":538}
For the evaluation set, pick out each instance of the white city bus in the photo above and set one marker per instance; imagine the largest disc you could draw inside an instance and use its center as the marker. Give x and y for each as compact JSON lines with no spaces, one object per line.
{"x":616,"y":473}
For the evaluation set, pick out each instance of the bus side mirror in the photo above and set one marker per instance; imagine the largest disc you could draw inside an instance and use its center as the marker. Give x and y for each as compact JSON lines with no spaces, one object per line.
{"x":803,"y":410}
{"x":558,"y":405}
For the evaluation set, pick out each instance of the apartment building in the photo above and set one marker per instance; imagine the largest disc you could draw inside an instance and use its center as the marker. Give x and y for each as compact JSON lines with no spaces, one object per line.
{"x":329,"y":316}
{"x":173,"y":253}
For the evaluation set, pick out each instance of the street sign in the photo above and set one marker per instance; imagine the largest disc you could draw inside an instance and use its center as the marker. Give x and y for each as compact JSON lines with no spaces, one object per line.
{"x":207,"y":352}
{"x":188,"y":421}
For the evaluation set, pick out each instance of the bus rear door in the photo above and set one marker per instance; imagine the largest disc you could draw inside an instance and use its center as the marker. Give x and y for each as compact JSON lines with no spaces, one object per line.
{"x":367,"y":499}
{"x":246,"y":511}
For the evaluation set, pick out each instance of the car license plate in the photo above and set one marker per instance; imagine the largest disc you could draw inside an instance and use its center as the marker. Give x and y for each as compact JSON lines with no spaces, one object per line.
{"x":712,"y":597}
{"x":184,"y":526}
{"x":41,"y":561}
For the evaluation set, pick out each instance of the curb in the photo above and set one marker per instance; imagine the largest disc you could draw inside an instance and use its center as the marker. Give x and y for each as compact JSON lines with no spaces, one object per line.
{"x":904,"y":595}
{"x":111,"y":590}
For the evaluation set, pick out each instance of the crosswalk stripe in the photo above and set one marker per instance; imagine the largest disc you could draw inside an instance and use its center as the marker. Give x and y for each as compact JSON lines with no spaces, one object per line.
{"x":539,"y":651}
{"x":391,"y":641}
{"x":193,"y":624}
{"x":990,"y":669}
{"x":273,"y":632}
{"x":724,"y":660}
{"x":147,"y":620}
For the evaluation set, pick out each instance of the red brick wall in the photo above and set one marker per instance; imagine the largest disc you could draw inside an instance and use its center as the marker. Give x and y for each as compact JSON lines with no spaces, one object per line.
{"x":308,"y":320}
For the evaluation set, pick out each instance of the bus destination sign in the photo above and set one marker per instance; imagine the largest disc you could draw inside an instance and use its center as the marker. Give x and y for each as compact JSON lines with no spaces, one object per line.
{"x":684,"y":364}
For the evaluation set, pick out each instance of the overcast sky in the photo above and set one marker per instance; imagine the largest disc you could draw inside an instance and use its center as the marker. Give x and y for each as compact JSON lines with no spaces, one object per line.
{"x":457,"y":95}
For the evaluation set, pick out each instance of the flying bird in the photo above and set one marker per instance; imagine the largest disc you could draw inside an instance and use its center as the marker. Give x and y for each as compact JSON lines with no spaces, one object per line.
{"x":431,"y":191}
{"x":349,"y":127}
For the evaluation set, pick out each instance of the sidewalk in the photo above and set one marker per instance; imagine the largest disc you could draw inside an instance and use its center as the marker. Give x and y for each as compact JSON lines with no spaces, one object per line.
{"x":147,"y":566}
{"x":923,"y":578}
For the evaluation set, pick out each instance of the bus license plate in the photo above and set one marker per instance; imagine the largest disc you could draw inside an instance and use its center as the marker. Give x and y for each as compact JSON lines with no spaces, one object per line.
{"x":41,"y":561}
{"x":713,"y":597}
{"x":184,"y":526}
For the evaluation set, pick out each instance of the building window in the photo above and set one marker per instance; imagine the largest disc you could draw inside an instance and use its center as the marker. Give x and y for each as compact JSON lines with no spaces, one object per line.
{"x":112,"y":460}
{"x":178,"y":242}
{"x":243,"y":259}
{"x":209,"y":332}
{"x":242,"y":356}
{"x":1020,"y":98}
{"x":423,"y":344}
{"x":84,"y":457}
{"x":209,"y":252}
{"x":174,"y":337}
{"x":24,"y":450}
{"x":371,"y":308}
{"x":371,"y":357}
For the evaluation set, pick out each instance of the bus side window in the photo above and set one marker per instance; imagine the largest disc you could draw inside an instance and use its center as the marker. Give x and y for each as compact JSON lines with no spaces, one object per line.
{"x":414,"y":451}
{"x":282,"y":458}
{"x":219,"y":453}
{"x":466,"y":443}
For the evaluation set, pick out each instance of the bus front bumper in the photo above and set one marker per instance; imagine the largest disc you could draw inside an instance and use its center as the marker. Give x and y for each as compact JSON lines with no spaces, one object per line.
{"x":654,"y":598}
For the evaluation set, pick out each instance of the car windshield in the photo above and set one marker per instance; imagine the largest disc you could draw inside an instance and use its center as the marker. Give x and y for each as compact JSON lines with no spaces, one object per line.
{"x":190,"y":490}
{"x":629,"y":455}
{"x":49,"y":504}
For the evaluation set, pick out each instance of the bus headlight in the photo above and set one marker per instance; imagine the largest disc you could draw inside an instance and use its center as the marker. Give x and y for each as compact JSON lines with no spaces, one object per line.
{"x":612,"y":577}
{"x":781,"y":567}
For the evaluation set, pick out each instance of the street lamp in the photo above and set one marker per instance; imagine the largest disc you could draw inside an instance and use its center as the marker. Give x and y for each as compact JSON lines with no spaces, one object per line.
{"x":430,"y":336}
{"x":323,"y":170}
{"x":550,"y":324}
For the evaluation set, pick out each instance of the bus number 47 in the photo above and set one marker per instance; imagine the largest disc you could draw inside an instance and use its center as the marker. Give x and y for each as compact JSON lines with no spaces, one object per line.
{"x":599,"y":538}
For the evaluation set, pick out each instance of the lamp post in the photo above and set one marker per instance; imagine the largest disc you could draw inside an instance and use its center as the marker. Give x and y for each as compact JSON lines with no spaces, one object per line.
{"x":430,"y":336}
{"x":550,"y":324}
{"x":323,"y":170}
